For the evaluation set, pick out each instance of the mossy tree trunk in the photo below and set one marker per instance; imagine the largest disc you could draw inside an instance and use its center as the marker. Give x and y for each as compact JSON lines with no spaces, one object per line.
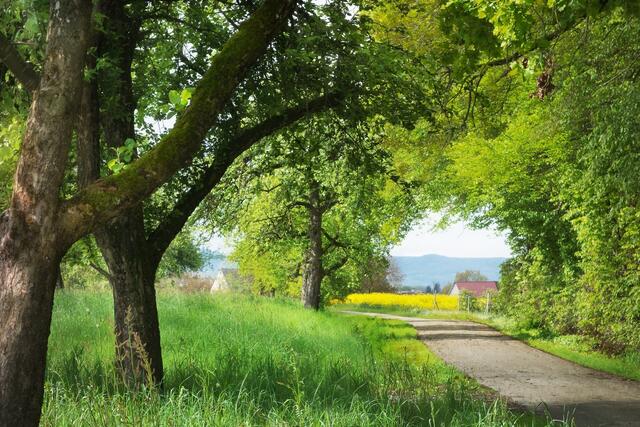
{"x":122,"y":241}
{"x":133,"y":260}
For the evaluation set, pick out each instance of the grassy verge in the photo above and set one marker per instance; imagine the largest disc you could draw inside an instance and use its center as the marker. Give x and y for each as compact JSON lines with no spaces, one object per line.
{"x":233,"y":360}
{"x":569,"y":347}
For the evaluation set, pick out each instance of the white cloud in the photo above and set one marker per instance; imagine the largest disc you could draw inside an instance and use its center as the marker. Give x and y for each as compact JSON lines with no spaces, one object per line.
{"x":218,"y":243}
{"x":458,"y":240}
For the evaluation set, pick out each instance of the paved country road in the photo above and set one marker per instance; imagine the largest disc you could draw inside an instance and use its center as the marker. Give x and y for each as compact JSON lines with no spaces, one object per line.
{"x":528,"y":376}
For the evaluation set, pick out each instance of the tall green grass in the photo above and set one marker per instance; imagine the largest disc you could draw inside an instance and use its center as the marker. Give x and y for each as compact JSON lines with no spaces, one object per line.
{"x":236,"y":360}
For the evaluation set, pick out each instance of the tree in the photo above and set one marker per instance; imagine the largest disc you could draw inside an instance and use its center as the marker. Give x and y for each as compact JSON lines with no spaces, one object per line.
{"x":469,"y":276}
{"x":394,"y":275}
{"x":378,"y":276}
{"x":292,"y":85}
{"x":436,"y":288}
{"x":320,"y":215}
{"x":446,"y":289}
{"x":39,"y":227}
{"x":134,"y":244}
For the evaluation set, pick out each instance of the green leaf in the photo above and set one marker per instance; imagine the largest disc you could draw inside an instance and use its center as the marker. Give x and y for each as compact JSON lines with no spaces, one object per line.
{"x":174,"y":97}
{"x":130,"y":143}
{"x":185,"y":96}
{"x":31,"y":27}
{"x":112,"y":164}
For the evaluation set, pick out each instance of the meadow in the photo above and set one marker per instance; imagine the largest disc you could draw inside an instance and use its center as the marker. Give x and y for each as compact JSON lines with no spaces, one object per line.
{"x":241,"y":360}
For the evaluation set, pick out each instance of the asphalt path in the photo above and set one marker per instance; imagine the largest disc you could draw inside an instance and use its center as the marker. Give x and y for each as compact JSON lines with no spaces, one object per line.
{"x":529,"y":377}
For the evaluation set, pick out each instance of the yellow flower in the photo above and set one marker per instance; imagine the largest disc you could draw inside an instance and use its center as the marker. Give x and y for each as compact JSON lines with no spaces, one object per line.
{"x":424,"y":301}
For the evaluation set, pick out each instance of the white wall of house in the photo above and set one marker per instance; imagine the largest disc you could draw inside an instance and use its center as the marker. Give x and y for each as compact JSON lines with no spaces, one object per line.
{"x":455,"y":290}
{"x":220,"y":283}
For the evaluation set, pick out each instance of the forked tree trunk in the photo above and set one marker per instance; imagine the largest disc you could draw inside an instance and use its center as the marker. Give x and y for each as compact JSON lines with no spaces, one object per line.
{"x":127,"y":252}
{"x":313,"y":271}
{"x":132,"y":272}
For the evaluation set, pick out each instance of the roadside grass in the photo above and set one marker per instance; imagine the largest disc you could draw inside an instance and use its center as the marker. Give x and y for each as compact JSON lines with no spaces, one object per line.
{"x":570,"y":347}
{"x":237,"y":360}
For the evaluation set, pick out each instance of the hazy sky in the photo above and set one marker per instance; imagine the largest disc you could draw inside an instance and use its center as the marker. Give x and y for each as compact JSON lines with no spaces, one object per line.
{"x":456,"y":241}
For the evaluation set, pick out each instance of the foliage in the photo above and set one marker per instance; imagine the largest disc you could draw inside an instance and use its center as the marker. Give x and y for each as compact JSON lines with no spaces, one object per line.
{"x":82,"y":266}
{"x":555,"y":172}
{"x":11,"y":129}
{"x":469,"y":276}
{"x":184,"y":255}
{"x":267,"y":207}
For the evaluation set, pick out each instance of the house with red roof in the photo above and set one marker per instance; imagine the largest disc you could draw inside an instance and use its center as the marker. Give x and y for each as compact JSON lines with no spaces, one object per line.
{"x":477,"y":289}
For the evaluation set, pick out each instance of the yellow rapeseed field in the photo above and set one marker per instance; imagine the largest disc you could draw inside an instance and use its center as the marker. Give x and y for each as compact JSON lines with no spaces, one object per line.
{"x":424,"y":301}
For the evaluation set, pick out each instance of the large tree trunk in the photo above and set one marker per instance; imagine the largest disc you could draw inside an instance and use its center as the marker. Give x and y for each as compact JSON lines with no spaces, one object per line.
{"x":132,"y":272}
{"x":30,"y":242}
{"x":313,"y":271}
{"x":26,"y":301}
{"x":122,"y":242}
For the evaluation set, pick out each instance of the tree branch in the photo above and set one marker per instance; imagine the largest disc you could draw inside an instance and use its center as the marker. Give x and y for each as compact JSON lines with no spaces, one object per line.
{"x":333,"y":241}
{"x":336,"y":267}
{"x":517,"y":55}
{"x":191,"y":65}
{"x":327,"y":205}
{"x":168,"y":228}
{"x":100,"y":270}
{"x":107,"y":198}
{"x":22,"y":70}
{"x":300,"y":203}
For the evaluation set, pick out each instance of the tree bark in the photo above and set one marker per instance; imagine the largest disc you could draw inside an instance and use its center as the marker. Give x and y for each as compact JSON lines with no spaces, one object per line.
{"x":59,"y":280}
{"x":122,"y":241}
{"x":313,"y":272}
{"x":30,"y":244}
{"x":25,"y":315}
{"x":132,"y":272}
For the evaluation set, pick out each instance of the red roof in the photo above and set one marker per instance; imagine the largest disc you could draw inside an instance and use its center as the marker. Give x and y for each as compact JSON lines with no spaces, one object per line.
{"x":477,"y":289}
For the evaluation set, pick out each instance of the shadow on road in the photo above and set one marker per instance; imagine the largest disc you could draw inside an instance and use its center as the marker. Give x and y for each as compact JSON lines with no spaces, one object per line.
{"x":449,"y":327}
{"x":444,"y":336}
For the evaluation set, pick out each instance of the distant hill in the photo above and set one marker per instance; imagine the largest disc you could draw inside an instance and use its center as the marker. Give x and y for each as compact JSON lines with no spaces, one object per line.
{"x":425,"y":270}
{"x":418,"y":271}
